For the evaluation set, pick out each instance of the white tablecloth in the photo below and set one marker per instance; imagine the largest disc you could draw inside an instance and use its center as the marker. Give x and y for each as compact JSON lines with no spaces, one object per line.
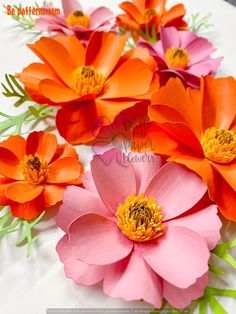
{"x":30,"y":285}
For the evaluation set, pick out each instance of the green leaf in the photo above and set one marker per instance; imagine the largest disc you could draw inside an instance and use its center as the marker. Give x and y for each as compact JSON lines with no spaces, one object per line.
{"x":197,"y":23}
{"x":216,"y":270}
{"x":221,"y":250}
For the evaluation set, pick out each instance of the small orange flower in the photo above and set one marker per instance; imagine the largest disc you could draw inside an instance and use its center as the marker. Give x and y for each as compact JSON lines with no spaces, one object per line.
{"x":198,"y":129}
{"x":140,"y":13}
{"x":88,"y":83}
{"x":35,"y":172}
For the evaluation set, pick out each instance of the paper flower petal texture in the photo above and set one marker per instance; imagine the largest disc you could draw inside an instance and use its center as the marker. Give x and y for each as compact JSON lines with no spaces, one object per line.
{"x":88,"y":83}
{"x":141,"y":236}
{"x":35,"y":172}
{"x":76,"y":21}
{"x":198,"y":128}
{"x":146,"y":14}
{"x":183,"y":54}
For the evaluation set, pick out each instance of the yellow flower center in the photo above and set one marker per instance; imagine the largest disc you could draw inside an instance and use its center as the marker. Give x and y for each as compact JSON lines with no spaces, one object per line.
{"x":177,"y":58}
{"x":87,"y":80}
{"x":78,"y":18}
{"x":34,"y":169}
{"x":219,"y":145}
{"x":140,"y":218}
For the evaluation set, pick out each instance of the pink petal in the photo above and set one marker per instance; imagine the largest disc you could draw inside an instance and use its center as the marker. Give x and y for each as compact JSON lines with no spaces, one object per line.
{"x":176,"y":189}
{"x":78,"y":271}
{"x":206,"y":67}
{"x":145,"y":166}
{"x":70,"y":6}
{"x":170,"y":38}
{"x":132,"y":279}
{"x":98,"y":241}
{"x":100,"y":16}
{"x":88,"y":182}
{"x":199,"y":49}
{"x":180,"y":256}
{"x":199,"y":223}
{"x":181,"y":298}
{"x":77,"y":202}
{"x":114,"y":181}
{"x":186,"y":38}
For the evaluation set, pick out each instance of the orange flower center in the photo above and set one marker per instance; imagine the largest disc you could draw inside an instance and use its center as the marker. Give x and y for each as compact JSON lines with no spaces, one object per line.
{"x":219,"y":145}
{"x":87,"y":80}
{"x":149,"y":13}
{"x":177,"y":58}
{"x":140,"y":218}
{"x":78,"y":18}
{"x":34,"y":169}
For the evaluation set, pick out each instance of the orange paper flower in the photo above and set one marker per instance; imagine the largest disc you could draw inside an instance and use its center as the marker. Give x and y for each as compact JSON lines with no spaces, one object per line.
{"x":198,"y":129}
{"x":88,"y":83}
{"x":140,"y":13}
{"x":35,"y":172}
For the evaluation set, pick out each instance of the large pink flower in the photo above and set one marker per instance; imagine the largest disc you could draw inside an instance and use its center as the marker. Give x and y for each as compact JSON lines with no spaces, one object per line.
{"x":77,"y":22}
{"x":183,"y":54}
{"x":141,"y":227}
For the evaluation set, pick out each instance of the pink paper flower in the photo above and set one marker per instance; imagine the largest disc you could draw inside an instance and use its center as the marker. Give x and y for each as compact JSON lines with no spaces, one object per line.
{"x":139,"y":227}
{"x":183,"y":54}
{"x":76,"y":21}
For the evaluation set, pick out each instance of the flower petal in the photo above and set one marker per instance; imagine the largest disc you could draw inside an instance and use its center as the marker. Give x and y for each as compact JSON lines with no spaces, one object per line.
{"x":170,"y":38}
{"x":52,"y":194}
{"x":22,"y":191}
{"x":9,"y":165}
{"x":64,"y":170}
{"x":77,"y":202}
{"x":16,"y":144}
{"x":98,"y":241}
{"x":181,"y":298}
{"x":100,"y":16}
{"x":80,"y":272}
{"x":180,"y":256}
{"x":199,"y":223}
{"x":114,"y":182}
{"x":70,"y":6}
{"x":133,"y":279}
{"x":104,"y":44}
{"x":176,"y":189}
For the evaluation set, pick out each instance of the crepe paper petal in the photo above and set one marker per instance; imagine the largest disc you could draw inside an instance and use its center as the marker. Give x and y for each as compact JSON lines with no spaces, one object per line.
{"x":22,"y":192}
{"x":8,"y":165}
{"x":110,"y":187}
{"x":42,"y":143}
{"x":181,"y":298}
{"x":199,"y":222}
{"x":80,"y":272}
{"x":75,"y":204}
{"x":63,"y":170}
{"x":16,"y":144}
{"x":93,"y":229}
{"x":70,"y":6}
{"x":176,"y":190}
{"x":121,"y":281}
{"x":177,"y":249}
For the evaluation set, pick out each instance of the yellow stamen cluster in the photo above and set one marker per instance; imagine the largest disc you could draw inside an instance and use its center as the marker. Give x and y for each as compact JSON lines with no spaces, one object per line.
{"x":140,"y":218}
{"x":219,"y":145}
{"x":34,"y":169}
{"x":87,"y":80}
{"x":78,"y":18}
{"x":177,"y":58}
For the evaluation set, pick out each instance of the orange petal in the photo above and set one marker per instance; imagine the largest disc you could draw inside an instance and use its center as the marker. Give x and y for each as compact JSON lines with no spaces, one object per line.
{"x":131,"y":79}
{"x":219,"y":103}
{"x":52,"y":194}
{"x":174,"y":95}
{"x":176,"y":12}
{"x":132,"y":10}
{"x":57,"y":92}
{"x":76,"y":122}
{"x":64,"y":150}
{"x":22,"y":191}
{"x":74,"y":47}
{"x":158,"y":5}
{"x":9,"y":164}
{"x":60,"y":61}
{"x":3,"y":185}
{"x":16,"y":144}
{"x":28,"y":210}
{"x":102,"y":44}
{"x":140,"y":4}
{"x":64,"y":170}
{"x":44,"y":144}
{"x":228,"y":172}
{"x":125,"y":20}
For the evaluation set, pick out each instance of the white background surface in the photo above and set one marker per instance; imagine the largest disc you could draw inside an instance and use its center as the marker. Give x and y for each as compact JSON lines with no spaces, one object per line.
{"x":29,"y":286}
